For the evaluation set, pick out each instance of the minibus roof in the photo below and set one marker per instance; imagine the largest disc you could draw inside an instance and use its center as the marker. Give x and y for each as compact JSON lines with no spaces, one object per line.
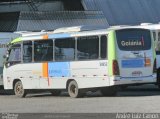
{"x":68,"y":32}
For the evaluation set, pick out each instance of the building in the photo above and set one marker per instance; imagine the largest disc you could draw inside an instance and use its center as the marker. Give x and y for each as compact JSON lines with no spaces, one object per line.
{"x":36,"y":15}
{"x":25,"y":15}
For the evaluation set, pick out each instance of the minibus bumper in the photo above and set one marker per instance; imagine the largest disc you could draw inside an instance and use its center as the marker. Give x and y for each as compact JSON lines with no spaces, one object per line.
{"x":117,"y":80}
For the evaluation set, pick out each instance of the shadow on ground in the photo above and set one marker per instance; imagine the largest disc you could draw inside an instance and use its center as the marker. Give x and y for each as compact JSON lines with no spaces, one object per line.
{"x":131,"y":91}
{"x":6,"y":92}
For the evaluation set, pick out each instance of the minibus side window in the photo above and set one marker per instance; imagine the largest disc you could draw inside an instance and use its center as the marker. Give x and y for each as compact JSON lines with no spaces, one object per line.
{"x":103,"y":46}
{"x":88,"y":48}
{"x":154,"y":35}
{"x":158,"y":44}
{"x":27,"y":51}
{"x":158,"y":36}
{"x":65,"y":49}
{"x":43,"y":50}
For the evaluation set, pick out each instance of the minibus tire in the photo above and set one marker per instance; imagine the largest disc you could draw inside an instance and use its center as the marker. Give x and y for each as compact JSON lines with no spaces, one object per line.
{"x":55,"y":92}
{"x":109,"y":91}
{"x":19,"y":90}
{"x":158,"y":78}
{"x":73,"y":90}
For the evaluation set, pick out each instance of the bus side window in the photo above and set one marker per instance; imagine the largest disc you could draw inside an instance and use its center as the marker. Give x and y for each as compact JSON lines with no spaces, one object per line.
{"x":43,"y":50}
{"x":103,"y":47}
{"x":154,"y":35}
{"x":27,"y":51}
{"x":65,"y":49}
{"x":158,"y":36}
{"x":88,"y":48}
{"x":14,"y":55}
{"x":158,"y":44}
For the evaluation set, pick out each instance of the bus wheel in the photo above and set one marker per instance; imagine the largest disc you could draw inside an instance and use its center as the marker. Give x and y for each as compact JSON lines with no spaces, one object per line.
{"x":55,"y":92}
{"x":109,"y":91}
{"x":158,"y":78}
{"x":73,"y":90}
{"x":18,"y":89}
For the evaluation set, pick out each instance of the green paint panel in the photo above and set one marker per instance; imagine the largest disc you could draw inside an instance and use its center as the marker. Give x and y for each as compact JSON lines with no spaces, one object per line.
{"x":112,"y":55}
{"x":16,"y":40}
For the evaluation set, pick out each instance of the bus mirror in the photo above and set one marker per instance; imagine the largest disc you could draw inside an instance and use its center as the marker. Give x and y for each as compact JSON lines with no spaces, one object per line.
{"x":4,"y":56}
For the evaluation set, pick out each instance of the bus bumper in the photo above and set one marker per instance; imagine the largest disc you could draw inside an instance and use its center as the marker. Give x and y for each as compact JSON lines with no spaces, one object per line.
{"x":133,"y":80}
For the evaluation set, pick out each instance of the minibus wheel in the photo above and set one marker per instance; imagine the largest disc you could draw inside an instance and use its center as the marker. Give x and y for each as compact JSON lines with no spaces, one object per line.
{"x":55,"y":92}
{"x":19,"y":90}
{"x":109,"y":91}
{"x":158,"y":78}
{"x":73,"y":90}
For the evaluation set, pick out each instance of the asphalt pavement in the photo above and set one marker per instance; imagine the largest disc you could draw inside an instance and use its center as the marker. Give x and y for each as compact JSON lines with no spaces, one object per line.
{"x":141,"y":99}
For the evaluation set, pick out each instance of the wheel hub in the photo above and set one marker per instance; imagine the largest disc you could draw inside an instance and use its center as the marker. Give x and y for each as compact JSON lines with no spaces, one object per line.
{"x":19,"y":89}
{"x":73,"y":89}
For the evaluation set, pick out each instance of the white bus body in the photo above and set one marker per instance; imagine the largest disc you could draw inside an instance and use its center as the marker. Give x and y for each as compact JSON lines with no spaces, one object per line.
{"x":155,"y":29}
{"x":79,"y":61}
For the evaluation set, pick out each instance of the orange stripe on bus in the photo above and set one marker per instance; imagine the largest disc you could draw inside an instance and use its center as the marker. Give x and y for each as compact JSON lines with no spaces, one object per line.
{"x":45,"y":70}
{"x":45,"y":37}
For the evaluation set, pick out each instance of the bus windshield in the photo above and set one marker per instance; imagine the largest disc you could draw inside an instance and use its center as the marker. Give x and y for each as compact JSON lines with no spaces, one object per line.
{"x":133,"y":39}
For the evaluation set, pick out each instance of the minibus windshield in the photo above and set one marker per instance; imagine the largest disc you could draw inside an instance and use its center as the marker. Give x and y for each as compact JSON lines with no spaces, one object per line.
{"x":133,"y":39}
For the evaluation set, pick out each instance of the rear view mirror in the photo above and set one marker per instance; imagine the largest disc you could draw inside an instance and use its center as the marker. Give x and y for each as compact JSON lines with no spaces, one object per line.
{"x":4,"y":56}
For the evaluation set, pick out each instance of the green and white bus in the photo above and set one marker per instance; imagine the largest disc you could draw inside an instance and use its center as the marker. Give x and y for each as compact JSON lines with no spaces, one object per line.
{"x":80,"y":61}
{"x":155,"y":29}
